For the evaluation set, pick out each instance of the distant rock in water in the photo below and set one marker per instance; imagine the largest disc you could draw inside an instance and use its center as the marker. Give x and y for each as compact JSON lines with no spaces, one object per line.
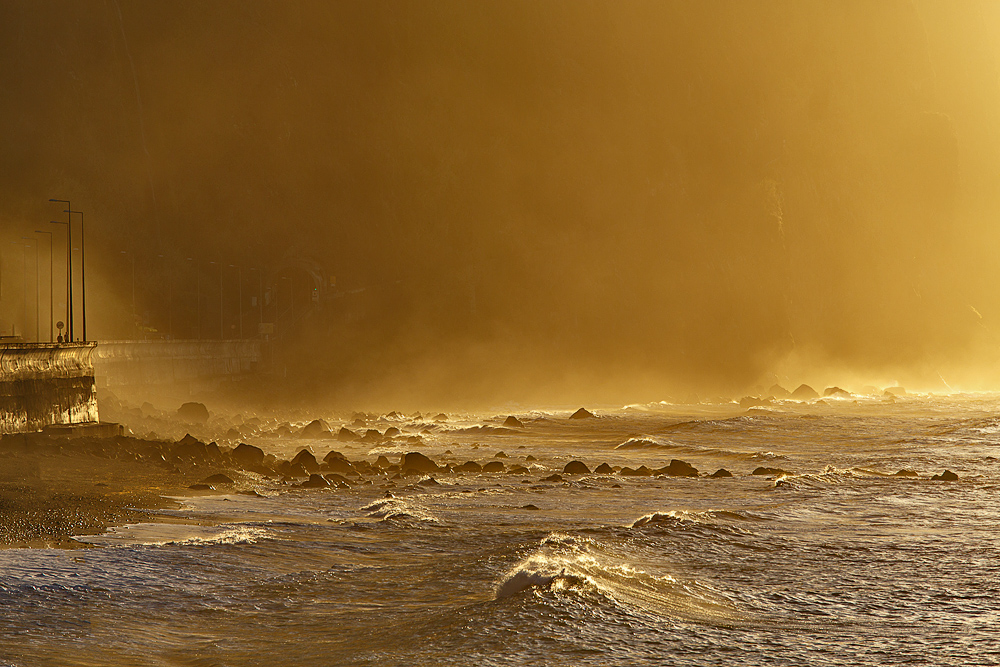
{"x":641,"y":471}
{"x":429,"y":481}
{"x":391,"y":432}
{"x":382,"y":462}
{"x":582,"y":413}
{"x":194,"y":413}
{"x":836,"y":392}
{"x":769,"y":471}
{"x":604,"y":469}
{"x":306,"y":459}
{"x":494,"y":466}
{"x":500,"y":455}
{"x":317,"y":428}
{"x":946,"y":476}
{"x":529,"y":506}
{"x":777,"y":391}
{"x":721,"y":472}
{"x":218,"y":478}
{"x":576,"y":467}
{"x":338,"y":465}
{"x":347,"y":435}
{"x":906,"y":473}
{"x":804,"y":392}
{"x":469,"y":466}
{"x":418,"y":462}
{"x":513,"y":422}
{"x":894,"y":391}
{"x":248,"y":456}
{"x":333,"y":454}
{"x":518,"y":470}
{"x":315,"y":482}
{"x":678,"y":468}
{"x":754,"y":402}
{"x":555,"y":477}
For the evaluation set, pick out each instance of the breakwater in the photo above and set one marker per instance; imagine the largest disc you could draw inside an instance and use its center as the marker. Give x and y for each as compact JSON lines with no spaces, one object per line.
{"x":46,"y":383}
{"x":184,"y":363}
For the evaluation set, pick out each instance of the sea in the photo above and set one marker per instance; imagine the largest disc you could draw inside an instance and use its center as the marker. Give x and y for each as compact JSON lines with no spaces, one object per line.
{"x":831,"y":558}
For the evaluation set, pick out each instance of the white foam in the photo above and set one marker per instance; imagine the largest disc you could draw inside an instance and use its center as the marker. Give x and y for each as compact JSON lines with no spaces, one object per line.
{"x":160,"y":534}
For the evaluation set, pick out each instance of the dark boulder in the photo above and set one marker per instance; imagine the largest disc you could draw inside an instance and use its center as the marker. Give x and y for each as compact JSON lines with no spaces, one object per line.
{"x":469,"y":466}
{"x":429,"y":481}
{"x":777,"y":391}
{"x":382,"y":462}
{"x":417,"y":462}
{"x":391,"y":432}
{"x":906,"y":473}
{"x":315,"y":482}
{"x":513,"y":422}
{"x":339,"y":465}
{"x":721,"y":472}
{"x":248,"y":456}
{"x":193,"y":413}
{"x":804,"y":392}
{"x":202,"y":487}
{"x":347,"y":435}
{"x":500,"y":455}
{"x":604,"y":469}
{"x":529,"y":506}
{"x":518,"y":470}
{"x":338,"y":481}
{"x":946,"y":476}
{"x":582,"y":413}
{"x":317,"y":428}
{"x":641,"y":471}
{"x":217,"y":478}
{"x":372,"y":435}
{"x":678,"y":468}
{"x":555,"y":477}
{"x":576,"y":468}
{"x":333,"y":454}
{"x":753,"y":402}
{"x":836,"y":392}
{"x":529,"y":457}
{"x":494,"y":466}
{"x":306,"y":459}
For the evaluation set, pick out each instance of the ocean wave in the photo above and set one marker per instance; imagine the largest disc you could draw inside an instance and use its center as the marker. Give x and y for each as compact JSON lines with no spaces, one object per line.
{"x":572,"y":565}
{"x":164,"y":534}
{"x":722,"y":522}
{"x":397,"y":509}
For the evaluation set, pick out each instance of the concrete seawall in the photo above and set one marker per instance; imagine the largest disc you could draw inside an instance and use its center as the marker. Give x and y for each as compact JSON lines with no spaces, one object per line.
{"x":177,"y":363}
{"x":46,"y":383}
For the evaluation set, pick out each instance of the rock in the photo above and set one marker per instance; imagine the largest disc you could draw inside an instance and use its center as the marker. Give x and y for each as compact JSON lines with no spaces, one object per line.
{"x":192,"y":449}
{"x":193,"y":413}
{"x":500,"y":455}
{"x":347,"y":435}
{"x":469,"y":466}
{"x":440,"y":417}
{"x":678,"y":468}
{"x":518,"y":470}
{"x":762,"y":470}
{"x":317,"y":428}
{"x":906,"y":473}
{"x":721,"y":472}
{"x":202,"y":487}
{"x":777,"y":391}
{"x":582,"y":413}
{"x":339,"y":465}
{"x":429,"y":481}
{"x":306,"y":459}
{"x":391,"y":432}
{"x":946,"y":476}
{"x":895,"y":391}
{"x":529,"y":457}
{"x":836,"y":392}
{"x":315,"y":482}
{"x":604,"y":469}
{"x":417,"y":462}
{"x":641,"y":471}
{"x":248,"y":456}
{"x":372,"y":435}
{"x":494,"y":466}
{"x":753,"y":402}
{"x":337,"y":481}
{"x":382,"y":462}
{"x":333,"y":454}
{"x":529,"y":507}
{"x":553,"y":478}
{"x":217,"y":478}
{"x":576,"y":467}
{"x":804,"y":392}
{"x":513,"y":422}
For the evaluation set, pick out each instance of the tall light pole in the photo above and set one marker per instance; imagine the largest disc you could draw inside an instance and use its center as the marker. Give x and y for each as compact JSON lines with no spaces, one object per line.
{"x":69,"y":265}
{"x":83,"y":270}
{"x":51,"y":317}
{"x":24,"y":288}
{"x":35,"y":241}
{"x":134,"y":320}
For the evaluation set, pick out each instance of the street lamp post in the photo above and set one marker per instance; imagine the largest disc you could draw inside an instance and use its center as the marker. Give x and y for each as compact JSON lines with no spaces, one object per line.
{"x":37,"y":327}
{"x":51,"y":316}
{"x":134,"y":320}
{"x":69,"y":264}
{"x":83,"y":271}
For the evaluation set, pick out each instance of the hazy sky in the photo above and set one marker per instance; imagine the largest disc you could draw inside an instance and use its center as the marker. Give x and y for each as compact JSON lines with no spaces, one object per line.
{"x":606,"y":200}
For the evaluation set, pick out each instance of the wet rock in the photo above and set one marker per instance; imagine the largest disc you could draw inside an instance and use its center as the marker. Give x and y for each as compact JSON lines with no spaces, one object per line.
{"x":529,"y":457}
{"x":248,"y":456}
{"x":190,"y":448}
{"x":721,"y":472}
{"x":513,"y":422}
{"x":763,"y":470}
{"x":582,"y":413}
{"x":906,"y":473}
{"x":777,"y":391}
{"x":529,"y":506}
{"x":333,"y":454}
{"x":429,"y":481}
{"x":347,"y":435}
{"x":753,"y":402}
{"x":339,"y":465}
{"x":193,"y":413}
{"x":895,"y":391}
{"x":372,"y":435}
{"x":417,"y":462}
{"x":469,"y":466}
{"x":946,"y":476}
{"x":518,"y":470}
{"x":576,"y":467}
{"x":678,"y":468}
{"x":382,"y":462}
{"x":804,"y":392}
{"x":306,"y":459}
{"x":556,"y":477}
{"x":836,"y":392}
{"x":217,"y":478}
{"x":338,"y":481}
{"x":500,"y":455}
{"x":494,"y":466}
{"x":202,"y":487}
{"x":641,"y":471}
{"x":391,"y":432}
{"x":440,"y":417}
{"x":604,"y":469}
{"x":315,"y":482}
